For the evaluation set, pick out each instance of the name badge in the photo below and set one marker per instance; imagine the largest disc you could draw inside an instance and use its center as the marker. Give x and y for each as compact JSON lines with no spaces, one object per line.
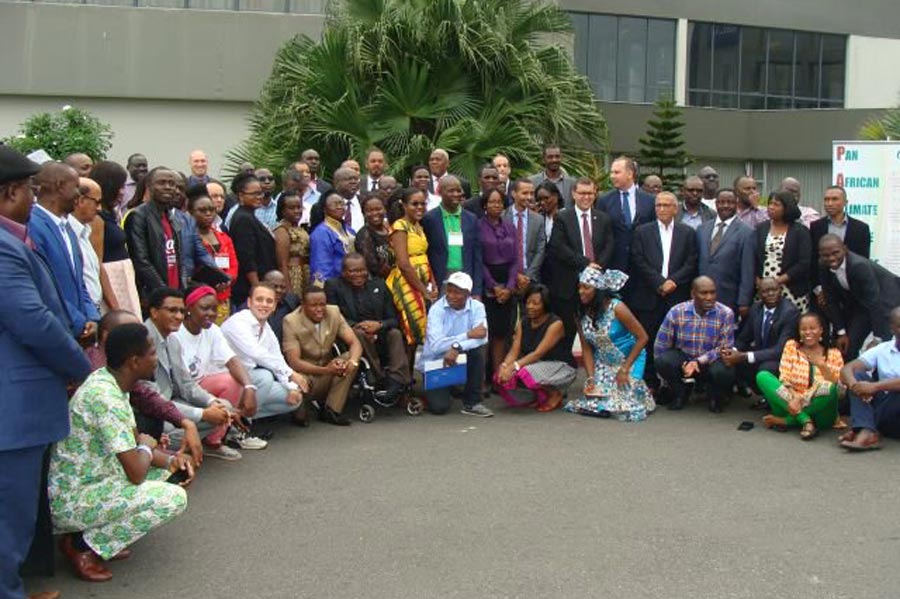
{"x":223,"y":261}
{"x":454,"y":239}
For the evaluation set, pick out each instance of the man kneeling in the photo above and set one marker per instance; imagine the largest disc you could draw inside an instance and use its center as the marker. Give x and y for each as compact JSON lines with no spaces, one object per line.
{"x":106,"y":481}
{"x":457,"y":324}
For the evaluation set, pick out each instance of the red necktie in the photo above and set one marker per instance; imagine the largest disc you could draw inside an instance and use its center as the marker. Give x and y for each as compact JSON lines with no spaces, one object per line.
{"x":586,"y":237}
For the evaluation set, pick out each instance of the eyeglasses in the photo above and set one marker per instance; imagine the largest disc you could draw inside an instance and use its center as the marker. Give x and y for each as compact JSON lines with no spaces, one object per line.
{"x":265,"y":179}
{"x":174,"y":310}
{"x":417,"y":203}
{"x":93,"y":199}
{"x":694,"y":189}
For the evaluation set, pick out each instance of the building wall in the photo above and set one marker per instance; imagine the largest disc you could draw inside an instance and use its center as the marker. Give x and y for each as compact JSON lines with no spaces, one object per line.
{"x":873,"y":79}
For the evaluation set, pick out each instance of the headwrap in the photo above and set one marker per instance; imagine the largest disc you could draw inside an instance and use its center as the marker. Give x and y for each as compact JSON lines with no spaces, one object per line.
{"x":607,"y":280}
{"x":197,"y":294}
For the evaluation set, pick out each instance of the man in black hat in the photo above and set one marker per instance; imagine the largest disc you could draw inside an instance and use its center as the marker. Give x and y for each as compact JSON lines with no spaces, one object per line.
{"x":34,"y":340}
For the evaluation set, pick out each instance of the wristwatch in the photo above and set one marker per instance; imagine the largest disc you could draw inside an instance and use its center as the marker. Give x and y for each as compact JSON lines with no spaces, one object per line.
{"x":456,"y":346}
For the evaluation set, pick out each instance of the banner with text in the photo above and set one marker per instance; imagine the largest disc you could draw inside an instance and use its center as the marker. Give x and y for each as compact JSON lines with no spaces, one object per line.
{"x":870,"y":172}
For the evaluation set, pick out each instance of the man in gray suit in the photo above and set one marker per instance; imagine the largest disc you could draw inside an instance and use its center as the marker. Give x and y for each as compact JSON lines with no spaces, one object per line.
{"x":726,"y":248}
{"x":529,"y":233}
{"x":173,"y":379}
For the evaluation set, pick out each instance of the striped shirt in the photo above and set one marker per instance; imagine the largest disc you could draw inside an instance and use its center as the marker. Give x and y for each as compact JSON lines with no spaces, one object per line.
{"x":698,"y":336}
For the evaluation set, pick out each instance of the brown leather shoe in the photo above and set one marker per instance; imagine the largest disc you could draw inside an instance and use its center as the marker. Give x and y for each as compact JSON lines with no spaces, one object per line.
{"x":865,"y":440}
{"x":45,"y":595}
{"x":86,"y":564}
{"x":120,"y":556}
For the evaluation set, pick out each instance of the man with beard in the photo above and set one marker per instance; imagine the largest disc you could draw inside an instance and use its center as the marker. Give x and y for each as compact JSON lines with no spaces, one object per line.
{"x":154,"y":239}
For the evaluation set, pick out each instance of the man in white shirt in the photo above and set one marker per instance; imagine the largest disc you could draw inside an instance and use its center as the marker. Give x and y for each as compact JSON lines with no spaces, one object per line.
{"x":279,"y":389}
{"x":86,"y":207}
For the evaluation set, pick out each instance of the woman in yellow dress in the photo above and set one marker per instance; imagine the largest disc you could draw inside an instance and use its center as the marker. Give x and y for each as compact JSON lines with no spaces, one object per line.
{"x":292,"y":242}
{"x":411,"y":282}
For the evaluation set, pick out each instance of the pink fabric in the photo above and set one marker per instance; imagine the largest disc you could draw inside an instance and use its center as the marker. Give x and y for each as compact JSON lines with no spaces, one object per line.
{"x":221,"y":385}
{"x":524,"y":377}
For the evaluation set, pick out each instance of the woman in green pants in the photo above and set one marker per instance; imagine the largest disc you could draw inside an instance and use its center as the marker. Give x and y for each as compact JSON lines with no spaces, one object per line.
{"x":805,"y":394}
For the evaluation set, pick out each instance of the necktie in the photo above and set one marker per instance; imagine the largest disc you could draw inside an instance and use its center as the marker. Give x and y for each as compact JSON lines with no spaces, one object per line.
{"x":626,"y":209}
{"x":586,"y":237}
{"x":717,"y":238}
{"x":520,"y":234}
{"x":767,"y":326}
{"x":348,"y":214}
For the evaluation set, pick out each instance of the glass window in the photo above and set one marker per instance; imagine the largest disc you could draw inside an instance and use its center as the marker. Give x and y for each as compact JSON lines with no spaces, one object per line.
{"x":626,"y":59}
{"x":601,"y":59}
{"x":834,"y":57}
{"x":752,"y":68}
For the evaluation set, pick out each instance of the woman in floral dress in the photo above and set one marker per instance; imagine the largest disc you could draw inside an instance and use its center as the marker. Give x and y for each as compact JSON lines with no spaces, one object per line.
{"x":612,"y":345}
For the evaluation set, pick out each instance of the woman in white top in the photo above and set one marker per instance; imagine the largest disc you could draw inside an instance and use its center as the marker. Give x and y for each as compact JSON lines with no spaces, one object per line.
{"x":214,"y":366}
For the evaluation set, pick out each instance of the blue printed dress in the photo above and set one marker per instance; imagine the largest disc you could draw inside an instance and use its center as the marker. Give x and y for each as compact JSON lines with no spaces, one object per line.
{"x":611,"y":343}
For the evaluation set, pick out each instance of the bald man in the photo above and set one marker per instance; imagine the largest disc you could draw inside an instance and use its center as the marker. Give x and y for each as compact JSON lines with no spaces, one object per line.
{"x":55,"y":240}
{"x":808,"y":215}
{"x":86,"y":207}
{"x":199,"y":164}
{"x":693,"y":211}
{"x":81,"y":162}
{"x":652,"y":185}
{"x":438,"y":165}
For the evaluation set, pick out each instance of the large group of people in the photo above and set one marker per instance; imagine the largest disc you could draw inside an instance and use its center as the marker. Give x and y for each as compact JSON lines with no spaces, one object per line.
{"x":177,"y":312}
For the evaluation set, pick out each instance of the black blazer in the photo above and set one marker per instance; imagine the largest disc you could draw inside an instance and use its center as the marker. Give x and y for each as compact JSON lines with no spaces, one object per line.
{"x":784,"y":325}
{"x":646,"y":262}
{"x":255,"y":249}
{"x":374,"y":302}
{"x":857,"y":238}
{"x":873,"y":288}
{"x":565,"y":257}
{"x":796,"y":261}
{"x":645,"y":212}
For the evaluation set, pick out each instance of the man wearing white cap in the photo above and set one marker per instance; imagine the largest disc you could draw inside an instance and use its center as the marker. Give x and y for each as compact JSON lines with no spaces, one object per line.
{"x":457,"y":325}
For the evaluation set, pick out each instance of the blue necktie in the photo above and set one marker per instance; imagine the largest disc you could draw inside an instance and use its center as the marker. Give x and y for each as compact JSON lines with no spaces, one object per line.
{"x":767,"y":326}
{"x":626,"y":209}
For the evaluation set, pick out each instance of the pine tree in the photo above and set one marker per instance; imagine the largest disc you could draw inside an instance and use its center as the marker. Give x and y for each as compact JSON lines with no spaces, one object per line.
{"x":662,"y":149}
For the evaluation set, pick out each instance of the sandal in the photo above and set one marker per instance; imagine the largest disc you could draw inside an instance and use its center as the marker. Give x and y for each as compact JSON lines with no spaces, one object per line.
{"x":809,"y":431}
{"x":848,"y":437}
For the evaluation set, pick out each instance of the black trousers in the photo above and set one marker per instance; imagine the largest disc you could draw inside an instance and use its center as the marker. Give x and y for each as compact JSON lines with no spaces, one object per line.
{"x":439,"y":399}
{"x":565,"y":308}
{"x":717,"y":375}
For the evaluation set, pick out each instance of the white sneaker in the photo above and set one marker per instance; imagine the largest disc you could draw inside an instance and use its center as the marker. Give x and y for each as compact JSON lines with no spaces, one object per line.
{"x":479,"y":410}
{"x":223,"y":452}
{"x":245,"y":441}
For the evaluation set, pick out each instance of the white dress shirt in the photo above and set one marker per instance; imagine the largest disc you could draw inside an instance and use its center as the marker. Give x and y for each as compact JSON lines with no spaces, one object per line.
{"x":89,"y":259}
{"x":357,"y":218}
{"x":724,"y":229}
{"x":256,"y":345}
{"x":841,"y":274}
{"x":665,"y":237}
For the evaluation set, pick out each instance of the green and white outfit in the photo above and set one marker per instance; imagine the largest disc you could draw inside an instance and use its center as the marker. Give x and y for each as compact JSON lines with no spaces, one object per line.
{"x":89,"y":490}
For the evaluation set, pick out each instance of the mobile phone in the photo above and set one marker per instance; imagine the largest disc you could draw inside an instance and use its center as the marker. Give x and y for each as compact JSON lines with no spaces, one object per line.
{"x":746,"y":425}
{"x":177,"y":477}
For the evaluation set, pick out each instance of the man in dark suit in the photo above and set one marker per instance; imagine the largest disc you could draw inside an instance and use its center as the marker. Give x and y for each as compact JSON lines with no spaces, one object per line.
{"x":692,"y":211}
{"x":759,"y":343}
{"x":859,"y":295}
{"x":852,"y":231}
{"x":582,"y":236}
{"x":438,"y":163}
{"x":454,"y":242}
{"x":726,"y":249}
{"x":627,"y":206}
{"x":375,"y":165}
{"x":39,"y":356}
{"x":318,"y":184}
{"x":529,"y":233}
{"x":663,"y":264}
{"x":55,"y":240}
{"x":488,"y":179}
{"x":367,"y":306}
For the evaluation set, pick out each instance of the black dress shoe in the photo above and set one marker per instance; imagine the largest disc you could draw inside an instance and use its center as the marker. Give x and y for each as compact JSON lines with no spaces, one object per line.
{"x":715,"y":405}
{"x":331,"y":417}
{"x":301,"y":417}
{"x":679,"y":402}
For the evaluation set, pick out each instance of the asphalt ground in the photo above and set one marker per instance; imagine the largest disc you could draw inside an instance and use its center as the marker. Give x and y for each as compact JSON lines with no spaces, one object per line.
{"x":528,"y":505}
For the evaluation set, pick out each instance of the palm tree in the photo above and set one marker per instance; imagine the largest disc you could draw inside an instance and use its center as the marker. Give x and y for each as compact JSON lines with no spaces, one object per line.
{"x":886,"y":126}
{"x":475,"y":77}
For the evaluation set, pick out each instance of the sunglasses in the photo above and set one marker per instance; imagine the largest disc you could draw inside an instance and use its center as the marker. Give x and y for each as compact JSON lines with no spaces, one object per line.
{"x":265,"y":179}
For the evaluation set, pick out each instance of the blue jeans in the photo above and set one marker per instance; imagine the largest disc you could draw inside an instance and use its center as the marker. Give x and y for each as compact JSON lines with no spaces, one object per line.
{"x":271,"y":395}
{"x":882,"y":414}
{"x":439,"y":399}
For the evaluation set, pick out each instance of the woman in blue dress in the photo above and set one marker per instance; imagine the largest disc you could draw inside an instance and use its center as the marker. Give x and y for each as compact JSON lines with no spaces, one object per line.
{"x":612,"y":346}
{"x":330,"y":241}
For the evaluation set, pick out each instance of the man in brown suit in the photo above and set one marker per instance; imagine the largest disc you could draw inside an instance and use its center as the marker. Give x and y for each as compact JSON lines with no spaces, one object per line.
{"x":309,"y":334}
